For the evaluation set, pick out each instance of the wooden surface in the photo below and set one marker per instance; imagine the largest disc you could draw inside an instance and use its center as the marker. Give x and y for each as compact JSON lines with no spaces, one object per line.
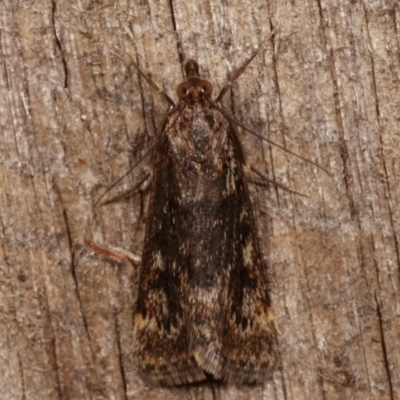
{"x":74,"y":116}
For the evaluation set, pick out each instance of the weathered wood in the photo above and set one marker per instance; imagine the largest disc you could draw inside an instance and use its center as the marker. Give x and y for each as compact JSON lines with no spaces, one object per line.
{"x":74,"y":116}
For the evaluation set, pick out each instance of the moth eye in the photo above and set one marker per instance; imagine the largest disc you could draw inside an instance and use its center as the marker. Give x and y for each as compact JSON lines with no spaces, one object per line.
{"x":182,"y":90}
{"x":206,"y":88}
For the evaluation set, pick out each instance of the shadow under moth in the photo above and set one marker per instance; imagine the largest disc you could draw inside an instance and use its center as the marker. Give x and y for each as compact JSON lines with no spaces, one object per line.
{"x":203,"y":307}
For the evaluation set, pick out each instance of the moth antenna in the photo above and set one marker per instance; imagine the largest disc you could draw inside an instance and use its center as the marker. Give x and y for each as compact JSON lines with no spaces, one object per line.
{"x":234,"y":121}
{"x":145,"y":76}
{"x":242,"y":68}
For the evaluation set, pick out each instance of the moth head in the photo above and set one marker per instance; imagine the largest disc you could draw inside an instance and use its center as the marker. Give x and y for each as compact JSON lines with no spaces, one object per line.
{"x":193,"y":89}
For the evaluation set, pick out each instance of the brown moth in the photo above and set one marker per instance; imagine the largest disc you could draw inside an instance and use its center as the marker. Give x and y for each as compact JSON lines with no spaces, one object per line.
{"x":203,"y":306}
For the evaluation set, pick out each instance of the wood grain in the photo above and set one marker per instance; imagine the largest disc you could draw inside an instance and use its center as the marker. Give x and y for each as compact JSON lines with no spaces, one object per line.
{"x":74,"y":116}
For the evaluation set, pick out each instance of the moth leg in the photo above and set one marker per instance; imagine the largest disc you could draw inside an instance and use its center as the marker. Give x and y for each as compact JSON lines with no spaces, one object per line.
{"x":114,"y":253}
{"x":277,"y":184}
{"x":125,"y":195}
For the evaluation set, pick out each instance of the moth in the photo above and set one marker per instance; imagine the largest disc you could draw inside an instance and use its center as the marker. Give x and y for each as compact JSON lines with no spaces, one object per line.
{"x":203,"y":307}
